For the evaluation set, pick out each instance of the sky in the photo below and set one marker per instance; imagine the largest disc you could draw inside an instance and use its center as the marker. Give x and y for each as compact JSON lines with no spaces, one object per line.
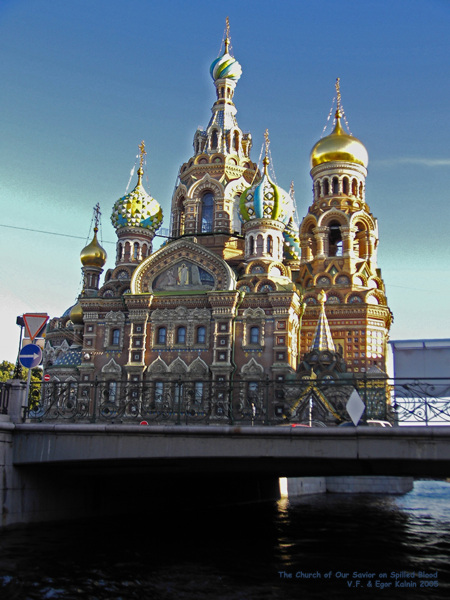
{"x":83,"y":82}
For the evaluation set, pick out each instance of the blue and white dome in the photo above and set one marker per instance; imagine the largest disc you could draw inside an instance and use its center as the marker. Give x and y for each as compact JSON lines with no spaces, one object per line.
{"x":266,"y":200}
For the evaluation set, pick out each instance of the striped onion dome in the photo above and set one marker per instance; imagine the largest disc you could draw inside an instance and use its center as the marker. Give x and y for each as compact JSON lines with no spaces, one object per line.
{"x":266,"y":200}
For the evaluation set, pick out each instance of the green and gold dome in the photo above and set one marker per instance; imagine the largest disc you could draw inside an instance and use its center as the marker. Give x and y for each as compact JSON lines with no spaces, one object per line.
{"x":137,"y":209}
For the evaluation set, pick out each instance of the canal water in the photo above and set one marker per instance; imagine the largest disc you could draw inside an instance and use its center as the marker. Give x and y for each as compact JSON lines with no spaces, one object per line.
{"x":327,"y":546}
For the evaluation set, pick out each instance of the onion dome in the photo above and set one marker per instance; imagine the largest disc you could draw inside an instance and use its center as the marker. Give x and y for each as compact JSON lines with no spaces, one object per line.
{"x":266,"y":200}
{"x":137,"y":209}
{"x":226,"y":66}
{"x":93,"y":255}
{"x":292,"y":248}
{"x":339,"y":146}
{"x":76,"y":314}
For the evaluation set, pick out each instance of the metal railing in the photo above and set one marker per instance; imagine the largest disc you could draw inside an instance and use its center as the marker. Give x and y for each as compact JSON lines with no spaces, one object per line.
{"x":310,"y":402}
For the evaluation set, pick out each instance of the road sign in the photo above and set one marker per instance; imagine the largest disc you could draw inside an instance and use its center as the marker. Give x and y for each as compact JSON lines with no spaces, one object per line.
{"x":46,"y":377}
{"x":34,"y":322}
{"x":30,"y":356}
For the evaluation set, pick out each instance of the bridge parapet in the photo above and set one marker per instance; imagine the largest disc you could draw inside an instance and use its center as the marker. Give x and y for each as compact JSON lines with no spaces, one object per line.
{"x":309,"y":402}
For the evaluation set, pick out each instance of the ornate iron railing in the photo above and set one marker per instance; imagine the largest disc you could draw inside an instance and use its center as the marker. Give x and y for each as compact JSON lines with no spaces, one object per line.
{"x":310,"y":402}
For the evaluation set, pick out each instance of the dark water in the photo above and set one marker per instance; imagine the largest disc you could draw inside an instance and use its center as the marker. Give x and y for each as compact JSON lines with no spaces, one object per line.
{"x":238,"y":551}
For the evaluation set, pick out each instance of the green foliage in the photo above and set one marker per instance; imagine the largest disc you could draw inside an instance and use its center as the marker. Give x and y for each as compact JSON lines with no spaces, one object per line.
{"x":7,"y":372}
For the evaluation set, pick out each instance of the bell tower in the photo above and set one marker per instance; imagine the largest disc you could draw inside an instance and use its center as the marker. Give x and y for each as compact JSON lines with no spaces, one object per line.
{"x":339,"y":240}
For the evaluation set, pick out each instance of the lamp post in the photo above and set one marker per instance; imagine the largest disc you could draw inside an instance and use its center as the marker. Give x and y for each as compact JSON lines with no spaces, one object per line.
{"x":18,"y":368}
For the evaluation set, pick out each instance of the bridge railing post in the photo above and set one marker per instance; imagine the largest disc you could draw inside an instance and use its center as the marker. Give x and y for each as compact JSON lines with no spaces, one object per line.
{"x":95,"y":401}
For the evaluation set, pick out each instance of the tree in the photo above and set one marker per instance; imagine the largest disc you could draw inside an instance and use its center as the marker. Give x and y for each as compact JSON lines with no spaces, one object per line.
{"x":7,"y":371}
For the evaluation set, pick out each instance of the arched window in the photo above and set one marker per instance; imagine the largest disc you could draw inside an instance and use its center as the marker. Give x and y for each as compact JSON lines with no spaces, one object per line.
{"x":252,"y":245}
{"x":162,"y":335}
{"x":259,"y":245}
{"x":361,"y":190}
{"x":115,"y":337}
{"x":207,"y":212}
{"x":345,"y":185}
{"x":201,"y":335}
{"x":214,"y":140}
{"x":135,"y":250}
{"x":254,"y":335}
{"x":269,"y":245}
{"x":326,"y":187}
{"x":354,"y":187}
{"x":317,"y":189}
{"x":334,"y":239}
{"x":119,"y":252}
{"x":335,"y":185}
{"x":181,"y":335}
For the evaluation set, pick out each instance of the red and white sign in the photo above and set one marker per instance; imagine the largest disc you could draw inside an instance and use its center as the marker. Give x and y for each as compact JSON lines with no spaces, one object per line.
{"x":34,"y":322}
{"x":46,"y":377}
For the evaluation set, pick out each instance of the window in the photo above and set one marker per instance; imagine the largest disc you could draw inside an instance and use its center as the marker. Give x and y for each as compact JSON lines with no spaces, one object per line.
{"x":269,"y":245}
{"x":181,"y":335}
{"x":115,"y":338}
{"x":254,"y":335}
{"x":201,"y":335}
{"x":178,"y":392}
{"x":198,"y":391}
{"x":159,"y":391}
{"x":335,"y":184}
{"x":207,"y":212}
{"x":162,"y":335}
{"x":345,"y":185}
{"x":135,"y":250}
{"x":252,"y":245}
{"x":112,"y":391}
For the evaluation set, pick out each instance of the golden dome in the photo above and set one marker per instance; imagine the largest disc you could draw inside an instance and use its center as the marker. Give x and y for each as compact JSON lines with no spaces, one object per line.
{"x":339,"y":146}
{"x":76,"y":314}
{"x":93,"y":255}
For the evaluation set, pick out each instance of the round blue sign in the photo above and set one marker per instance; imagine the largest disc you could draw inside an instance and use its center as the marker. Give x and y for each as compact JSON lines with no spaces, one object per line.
{"x":30,"y":356}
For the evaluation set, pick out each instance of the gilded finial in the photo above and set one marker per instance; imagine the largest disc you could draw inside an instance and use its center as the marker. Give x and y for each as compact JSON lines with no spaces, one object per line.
{"x":322,"y":297}
{"x":267,"y":144}
{"x":338,"y":98}
{"x":97,"y":214}
{"x":292,"y":191}
{"x":227,"y":34}
{"x":142,"y":153}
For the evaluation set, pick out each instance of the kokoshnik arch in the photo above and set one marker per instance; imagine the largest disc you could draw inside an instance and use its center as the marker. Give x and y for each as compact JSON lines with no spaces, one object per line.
{"x":240,"y":291}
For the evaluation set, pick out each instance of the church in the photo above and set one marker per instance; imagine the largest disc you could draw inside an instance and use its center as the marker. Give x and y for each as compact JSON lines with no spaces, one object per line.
{"x":240,"y":293}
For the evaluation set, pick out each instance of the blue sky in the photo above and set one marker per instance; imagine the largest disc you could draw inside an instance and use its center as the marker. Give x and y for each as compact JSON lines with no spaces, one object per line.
{"x":83,"y":82}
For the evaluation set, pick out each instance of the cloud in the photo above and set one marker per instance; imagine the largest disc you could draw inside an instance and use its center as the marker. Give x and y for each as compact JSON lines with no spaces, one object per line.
{"x":422,"y":162}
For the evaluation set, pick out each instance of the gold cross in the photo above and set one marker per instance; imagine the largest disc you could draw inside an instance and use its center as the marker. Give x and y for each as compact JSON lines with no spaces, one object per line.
{"x":142,"y":153}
